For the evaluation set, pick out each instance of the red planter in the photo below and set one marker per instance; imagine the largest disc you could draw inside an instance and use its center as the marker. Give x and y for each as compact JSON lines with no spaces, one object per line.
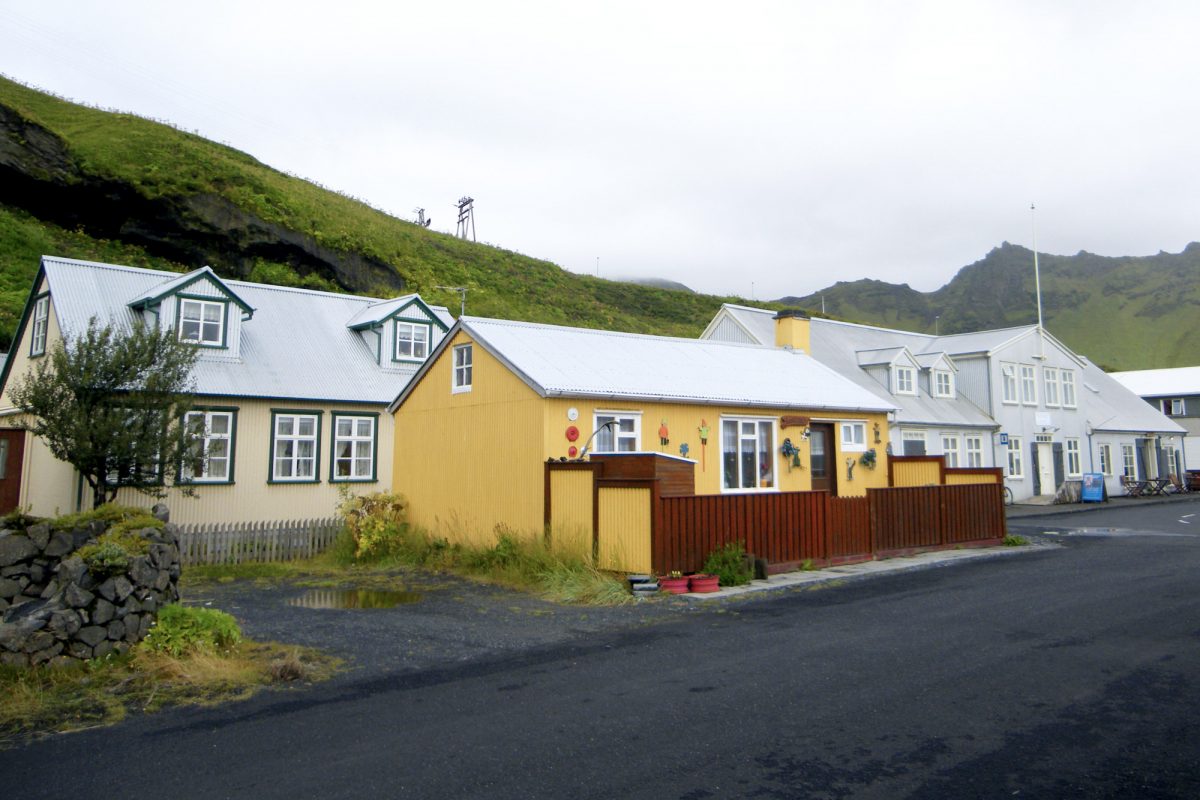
{"x":703,"y":584}
{"x":673,"y":585}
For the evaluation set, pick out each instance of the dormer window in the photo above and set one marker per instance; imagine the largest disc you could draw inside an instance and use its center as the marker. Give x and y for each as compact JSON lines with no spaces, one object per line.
{"x":905,"y":378}
{"x":41,"y":324}
{"x":412,"y":341}
{"x":943,"y":383}
{"x":202,"y":322}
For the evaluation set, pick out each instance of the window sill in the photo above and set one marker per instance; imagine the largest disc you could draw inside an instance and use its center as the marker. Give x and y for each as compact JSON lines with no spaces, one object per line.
{"x":460,"y":389}
{"x":290,"y":481}
{"x":354,"y":480}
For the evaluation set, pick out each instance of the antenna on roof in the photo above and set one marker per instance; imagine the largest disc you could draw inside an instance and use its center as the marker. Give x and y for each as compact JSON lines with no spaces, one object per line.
{"x":1037,"y":283}
{"x":421,"y":220}
{"x":462,"y":296}
{"x":466,"y":217}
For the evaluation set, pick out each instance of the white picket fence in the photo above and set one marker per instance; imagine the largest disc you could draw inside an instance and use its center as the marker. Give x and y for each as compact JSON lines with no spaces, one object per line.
{"x":241,"y":542}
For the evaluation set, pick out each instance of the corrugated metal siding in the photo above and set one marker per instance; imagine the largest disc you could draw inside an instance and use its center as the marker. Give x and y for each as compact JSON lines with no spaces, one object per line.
{"x":729,"y":331}
{"x":571,"y":511}
{"x":972,"y":382}
{"x":921,"y":473}
{"x":953,"y":479}
{"x":472,"y":461}
{"x":624,"y":529}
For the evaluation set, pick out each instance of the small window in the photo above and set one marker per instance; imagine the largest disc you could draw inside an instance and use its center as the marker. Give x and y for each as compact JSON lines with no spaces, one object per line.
{"x":1008,"y":373}
{"x":412,"y":341}
{"x":747,"y":454}
{"x":295,"y":446}
{"x":1074,"y":465}
{"x":905,"y":380}
{"x":617,"y":432}
{"x":1129,"y":461}
{"x":943,"y":383}
{"x":1068,"y":388}
{"x":974,"y":446}
{"x":1028,"y":385}
{"x":1016,"y":465}
{"x":211,"y":457}
{"x":854,"y":436}
{"x":353,"y":448}
{"x":1050,"y":378}
{"x":913,"y":442}
{"x":950,"y":449}
{"x":462,"y":368}
{"x":41,"y":323}
{"x":202,"y":322}
{"x":1106,"y":463}
{"x":1173,"y":407}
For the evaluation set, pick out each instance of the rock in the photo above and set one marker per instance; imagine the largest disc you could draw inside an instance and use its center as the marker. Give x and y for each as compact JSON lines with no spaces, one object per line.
{"x":39,"y":534}
{"x":60,"y":661}
{"x":108,"y":589}
{"x":50,"y":590}
{"x":14,"y":570}
{"x":92,"y":635}
{"x":101,"y":650}
{"x":160,"y":555}
{"x":42,"y":656}
{"x":121,"y":648}
{"x":39,"y":640}
{"x":25,"y":609}
{"x":3,"y":604}
{"x":131,"y":605}
{"x":170,"y":533}
{"x":162,"y":581}
{"x":11,"y":636}
{"x":133,"y":626}
{"x":14,"y":659}
{"x":161,"y":512}
{"x":116,"y":629}
{"x":141,"y":572}
{"x":122,"y":587}
{"x":70,"y":570}
{"x":37,"y":572}
{"x":77,"y":649}
{"x":15,"y":547}
{"x":144,"y":626}
{"x":60,"y":544}
{"x":9,"y":588}
{"x":77,"y":597}
{"x":150,"y":604}
{"x":64,"y":624}
{"x":103,"y":612}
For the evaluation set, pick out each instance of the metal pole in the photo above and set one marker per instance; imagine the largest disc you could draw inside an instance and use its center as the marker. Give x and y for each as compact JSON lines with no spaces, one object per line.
{"x":1037,"y":282}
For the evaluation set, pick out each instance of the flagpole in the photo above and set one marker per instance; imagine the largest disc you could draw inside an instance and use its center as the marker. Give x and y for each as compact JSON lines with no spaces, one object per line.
{"x":1037,"y":281}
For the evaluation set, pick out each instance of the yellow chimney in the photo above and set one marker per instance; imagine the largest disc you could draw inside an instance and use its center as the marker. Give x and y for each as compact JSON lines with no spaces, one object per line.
{"x":792,"y":330}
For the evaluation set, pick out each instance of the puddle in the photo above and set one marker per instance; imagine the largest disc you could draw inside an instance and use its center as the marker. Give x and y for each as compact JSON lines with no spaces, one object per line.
{"x":353,"y":598}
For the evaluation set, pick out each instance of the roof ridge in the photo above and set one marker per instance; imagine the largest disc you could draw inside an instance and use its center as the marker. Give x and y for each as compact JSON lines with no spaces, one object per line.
{"x":514,"y":323}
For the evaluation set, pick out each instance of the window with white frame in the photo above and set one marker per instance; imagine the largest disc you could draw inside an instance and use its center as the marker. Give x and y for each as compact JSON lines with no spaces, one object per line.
{"x":1106,"y":463}
{"x":294,"y":447}
{"x":41,"y":324}
{"x":747,"y":454}
{"x":1068,"y":388}
{"x":854,"y":436}
{"x":1172,"y":406}
{"x":463,"y":358}
{"x":617,"y":432}
{"x":950,"y":449}
{"x":905,"y":379}
{"x":1074,"y":468}
{"x":1129,"y":461}
{"x":353,"y":447}
{"x":202,"y":322}
{"x":943,"y":383}
{"x":1028,"y":385}
{"x":1050,"y":378}
{"x":913,"y":442}
{"x":974,"y":446}
{"x":1016,"y":463}
{"x":412,"y":341}
{"x":1008,"y":377}
{"x":210,"y":459}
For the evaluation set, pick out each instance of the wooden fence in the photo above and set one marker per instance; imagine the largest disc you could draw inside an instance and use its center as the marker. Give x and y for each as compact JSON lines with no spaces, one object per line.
{"x":241,"y":542}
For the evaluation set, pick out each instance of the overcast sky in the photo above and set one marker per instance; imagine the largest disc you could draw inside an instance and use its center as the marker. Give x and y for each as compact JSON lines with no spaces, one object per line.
{"x":741,"y":148}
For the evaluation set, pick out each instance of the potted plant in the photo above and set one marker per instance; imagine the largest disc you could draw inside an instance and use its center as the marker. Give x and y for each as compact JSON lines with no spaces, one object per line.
{"x":674,"y":583}
{"x":700,"y":583}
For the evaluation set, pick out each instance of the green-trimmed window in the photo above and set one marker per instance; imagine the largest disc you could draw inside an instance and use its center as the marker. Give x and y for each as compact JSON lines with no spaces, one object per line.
{"x":353,"y":447}
{"x":412,"y":341}
{"x":211,"y":458}
{"x":41,"y":324}
{"x":202,"y":321}
{"x":295,"y":446}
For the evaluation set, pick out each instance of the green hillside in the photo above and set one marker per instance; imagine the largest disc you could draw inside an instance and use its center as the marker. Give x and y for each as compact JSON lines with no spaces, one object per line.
{"x":80,"y":182}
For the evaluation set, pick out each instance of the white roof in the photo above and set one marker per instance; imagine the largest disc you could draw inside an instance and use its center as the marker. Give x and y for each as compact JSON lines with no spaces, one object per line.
{"x":1175,"y":381}
{"x":297,"y":345}
{"x":577,"y":362}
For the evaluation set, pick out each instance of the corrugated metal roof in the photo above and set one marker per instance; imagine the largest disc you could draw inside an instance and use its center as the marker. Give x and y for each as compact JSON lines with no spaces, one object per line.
{"x":578,"y":362}
{"x":157,"y":292}
{"x":378,"y":312}
{"x":1176,"y":381}
{"x":1115,"y":408}
{"x":297,"y":345}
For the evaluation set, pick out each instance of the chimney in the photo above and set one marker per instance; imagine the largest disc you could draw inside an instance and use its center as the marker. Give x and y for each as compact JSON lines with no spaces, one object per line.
{"x":792,"y":330}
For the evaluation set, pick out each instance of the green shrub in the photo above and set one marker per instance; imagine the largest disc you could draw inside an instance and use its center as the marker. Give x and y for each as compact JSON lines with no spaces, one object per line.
{"x":729,"y":565}
{"x":111,"y":552}
{"x":376,"y":523}
{"x":181,"y":630}
{"x":1013,"y":540}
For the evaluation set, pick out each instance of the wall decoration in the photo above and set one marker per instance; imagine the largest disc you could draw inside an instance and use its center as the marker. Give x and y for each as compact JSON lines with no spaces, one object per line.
{"x":572,"y":413}
{"x":877,"y":439}
{"x":664,"y":436}
{"x":683,"y":449}
{"x":572,"y":451}
{"x":849,"y":469}
{"x":703,"y":430}
{"x":792,"y":453}
{"x":572,"y":433}
{"x":868,"y":459}
{"x":793,"y":422}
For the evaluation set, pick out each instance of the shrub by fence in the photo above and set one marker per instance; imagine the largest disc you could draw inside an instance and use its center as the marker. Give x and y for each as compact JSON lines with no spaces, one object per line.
{"x":243,"y":542}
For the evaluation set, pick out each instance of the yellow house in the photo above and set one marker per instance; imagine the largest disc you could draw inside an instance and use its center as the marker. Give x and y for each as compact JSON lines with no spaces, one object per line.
{"x":497,"y":399}
{"x":292,"y":386}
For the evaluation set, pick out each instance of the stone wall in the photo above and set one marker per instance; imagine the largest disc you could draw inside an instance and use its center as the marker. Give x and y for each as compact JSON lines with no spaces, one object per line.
{"x":55,"y":609}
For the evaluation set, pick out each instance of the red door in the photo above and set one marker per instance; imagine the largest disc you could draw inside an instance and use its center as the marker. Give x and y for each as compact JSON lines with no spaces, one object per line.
{"x":821,"y":454}
{"x":12,"y":452}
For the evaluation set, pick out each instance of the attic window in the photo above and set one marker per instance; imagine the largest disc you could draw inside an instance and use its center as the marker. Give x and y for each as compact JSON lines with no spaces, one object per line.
{"x":943,"y":383}
{"x":202,"y":322}
{"x":41,"y":322}
{"x":905,"y":380}
{"x":412,"y":341}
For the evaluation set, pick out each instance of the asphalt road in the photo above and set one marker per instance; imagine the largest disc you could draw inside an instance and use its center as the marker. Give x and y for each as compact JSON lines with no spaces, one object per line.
{"x":1071,"y":671}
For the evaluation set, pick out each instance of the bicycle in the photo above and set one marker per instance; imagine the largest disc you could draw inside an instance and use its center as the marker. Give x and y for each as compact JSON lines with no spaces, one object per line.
{"x":1008,"y":494}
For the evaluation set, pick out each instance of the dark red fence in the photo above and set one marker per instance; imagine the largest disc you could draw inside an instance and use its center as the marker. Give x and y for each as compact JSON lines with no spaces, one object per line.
{"x":797,"y":526}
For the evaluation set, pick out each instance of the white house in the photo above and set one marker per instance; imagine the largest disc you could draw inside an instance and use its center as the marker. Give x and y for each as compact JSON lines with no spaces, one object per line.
{"x":292,"y":386}
{"x":1043,"y":413}
{"x":1176,"y":393}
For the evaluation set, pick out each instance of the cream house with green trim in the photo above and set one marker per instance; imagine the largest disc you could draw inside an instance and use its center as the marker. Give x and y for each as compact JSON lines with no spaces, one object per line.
{"x":291,"y":386}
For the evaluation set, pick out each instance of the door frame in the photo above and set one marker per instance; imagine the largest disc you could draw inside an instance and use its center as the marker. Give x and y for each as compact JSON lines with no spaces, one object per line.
{"x":831,"y":472}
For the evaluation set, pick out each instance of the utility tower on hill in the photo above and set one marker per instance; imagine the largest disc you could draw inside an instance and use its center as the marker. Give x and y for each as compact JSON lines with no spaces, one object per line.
{"x":422,"y":220}
{"x":466,"y":217}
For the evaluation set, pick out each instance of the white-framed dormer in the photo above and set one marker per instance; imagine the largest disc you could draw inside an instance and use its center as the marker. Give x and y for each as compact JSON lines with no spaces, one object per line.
{"x":938,"y":375}
{"x":200,"y":308}
{"x":894,"y":367}
{"x":400,"y":332}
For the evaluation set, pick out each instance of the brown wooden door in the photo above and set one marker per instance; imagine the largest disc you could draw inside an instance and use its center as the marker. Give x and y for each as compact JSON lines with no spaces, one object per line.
{"x":821,"y":454}
{"x":12,"y":452}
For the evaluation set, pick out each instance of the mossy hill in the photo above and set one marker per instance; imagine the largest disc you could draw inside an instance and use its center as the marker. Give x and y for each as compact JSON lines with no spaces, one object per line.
{"x":85,"y":183}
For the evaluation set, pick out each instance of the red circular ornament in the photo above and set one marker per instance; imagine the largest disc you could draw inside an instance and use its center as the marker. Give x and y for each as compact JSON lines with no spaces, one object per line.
{"x":572,"y":451}
{"x":572,"y":433}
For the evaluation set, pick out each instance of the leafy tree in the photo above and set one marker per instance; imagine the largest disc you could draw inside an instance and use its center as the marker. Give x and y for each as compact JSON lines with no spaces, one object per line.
{"x":108,"y":402}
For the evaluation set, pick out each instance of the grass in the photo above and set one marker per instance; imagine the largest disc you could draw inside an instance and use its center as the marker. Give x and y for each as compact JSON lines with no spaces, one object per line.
{"x":1013,"y":540}
{"x":43,"y":700}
